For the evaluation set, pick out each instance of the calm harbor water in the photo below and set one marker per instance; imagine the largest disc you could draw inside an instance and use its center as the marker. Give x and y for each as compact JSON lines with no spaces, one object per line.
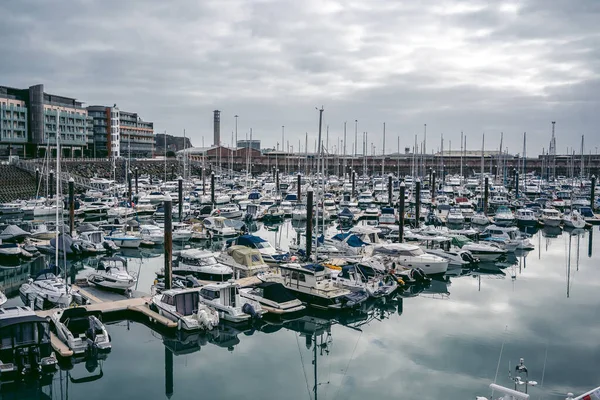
{"x":444,"y":343}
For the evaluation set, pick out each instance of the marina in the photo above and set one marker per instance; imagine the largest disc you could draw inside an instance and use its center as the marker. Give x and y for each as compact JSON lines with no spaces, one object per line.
{"x":400,"y":294}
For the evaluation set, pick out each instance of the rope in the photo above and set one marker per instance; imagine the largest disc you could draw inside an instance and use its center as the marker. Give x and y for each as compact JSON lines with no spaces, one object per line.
{"x":303,"y":370}
{"x":500,"y":358}
{"x":347,"y":365}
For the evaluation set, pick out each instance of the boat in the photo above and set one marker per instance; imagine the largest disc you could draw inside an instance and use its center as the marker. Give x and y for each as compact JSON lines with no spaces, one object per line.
{"x":573,"y":219}
{"x":551,"y":217}
{"x":509,"y":237}
{"x":111,"y":273}
{"x":365,"y":199}
{"x":394,"y":255}
{"x":12,"y":233}
{"x":216,"y":226}
{"x":184,"y":307}
{"x":455,"y":217}
{"x":287,"y":207}
{"x":273,"y":297}
{"x":81,"y":330}
{"x":123,"y":240}
{"x":3,"y":298}
{"x":482,"y":251}
{"x":227,"y":211}
{"x":371,"y":211}
{"x":39,"y":230}
{"x":299,"y":212}
{"x":270,"y":254}
{"x":243,"y":260}
{"x":94,"y":242}
{"x":526,"y":217}
{"x":273,"y":213}
{"x":152,"y":233}
{"x":387,"y":216}
{"x":202,"y":264}
{"x":225,"y":298}
{"x":352,"y":278}
{"x":356,"y":240}
{"x":346,"y":216}
{"x":504,"y":217}
{"x":26,"y":347}
{"x":181,"y":232}
{"x":46,"y":291}
{"x":442,"y":246}
{"x":313,"y":284}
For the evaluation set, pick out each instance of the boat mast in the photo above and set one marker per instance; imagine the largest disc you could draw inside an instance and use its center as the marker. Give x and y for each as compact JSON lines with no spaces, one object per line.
{"x":482,"y":166}
{"x":317,"y":185}
{"x":57,"y":184}
{"x":383,"y":153}
{"x":461,"y":154}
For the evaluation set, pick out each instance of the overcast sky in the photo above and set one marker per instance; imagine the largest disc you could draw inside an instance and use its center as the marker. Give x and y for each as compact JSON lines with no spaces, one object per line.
{"x":472,"y":66}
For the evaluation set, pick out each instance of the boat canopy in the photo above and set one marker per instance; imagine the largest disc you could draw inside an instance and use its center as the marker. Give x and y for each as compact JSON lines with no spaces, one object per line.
{"x":13,"y":232}
{"x":249,"y":240}
{"x":460,"y":240}
{"x":245,"y":255}
{"x":352,"y":239}
{"x":64,"y":243}
{"x":276,"y":292}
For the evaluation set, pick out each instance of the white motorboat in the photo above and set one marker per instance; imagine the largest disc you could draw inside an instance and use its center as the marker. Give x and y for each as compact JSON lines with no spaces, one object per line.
{"x":225,"y":298}
{"x":152,"y":233}
{"x":480,"y":219}
{"x":504,"y":217}
{"x":407,"y":255}
{"x":273,"y":297}
{"x":313,"y":284}
{"x":551,"y":217}
{"x":483,"y":251}
{"x":441,"y":246}
{"x":526,"y":217}
{"x":356,"y":240}
{"x":184,"y":307}
{"x":270,"y":254}
{"x":216,"y":226}
{"x":202,"y":264}
{"x":154,"y":198}
{"x":3,"y":298}
{"x":511,"y":238}
{"x":80,"y":330}
{"x":25,"y":353}
{"x":123,"y":240}
{"x":455,"y":217}
{"x":365,"y":199}
{"x":94,"y":242}
{"x":144,"y":206}
{"x":287,"y":207}
{"x":352,"y":278}
{"x":46,"y":291}
{"x":227,"y":211}
{"x":244,"y":261}
{"x":387,"y":216}
{"x":111,"y":273}
{"x":573,"y":219}
{"x":181,"y":232}
{"x":371,"y":211}
{"x":299,"y":212}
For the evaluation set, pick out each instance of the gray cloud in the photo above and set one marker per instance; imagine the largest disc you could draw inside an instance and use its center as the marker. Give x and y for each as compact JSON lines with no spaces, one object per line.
{"x":467,"y":66}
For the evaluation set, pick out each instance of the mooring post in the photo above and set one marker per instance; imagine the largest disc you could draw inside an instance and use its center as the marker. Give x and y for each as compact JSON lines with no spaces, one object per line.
{"x":299,"y":189}
{"x":180,"y":193}
{"x":129,"y":193}
{"x":390,"y":196}
{"x":136,"y":181}
{"x":168,"y":206}
{"x":203,"y":182}
{"x":516,"y":184}
{"x":51,"y":191}
{"x":401,"y":212}
{"x":593,"y":194}
{"x":212,"y":189}
{"x":433,"y":188}
{"x":37,"y":181}
{"x":277,"y":181}
{"x":71,"y":206}
{"x":418,"y":203}
{"x":353,"y":183}
{"x":309,"y":221}
{"x":485,"y":196}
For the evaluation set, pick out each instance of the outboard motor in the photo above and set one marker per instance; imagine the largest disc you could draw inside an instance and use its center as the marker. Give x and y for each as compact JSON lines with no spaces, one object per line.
{"x":468,"y":257}
{"x":76,"y":247}
{"x":247,"y":308}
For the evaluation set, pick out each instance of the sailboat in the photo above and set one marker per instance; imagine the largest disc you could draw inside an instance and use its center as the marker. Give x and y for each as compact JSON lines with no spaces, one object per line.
{"x":48,"y":289}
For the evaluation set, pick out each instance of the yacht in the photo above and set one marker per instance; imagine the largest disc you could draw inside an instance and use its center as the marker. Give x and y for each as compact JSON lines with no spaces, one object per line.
{"x":181,"y":232}
{"x":371,"y":211}
{"x":144,"y":206}
{"x":273,"y":297}
{"x":26,"y":346}
{"x":123,"y":240}
{"x":287,"y":207}
{"x":312,"y":283}
{"x":244,"y":261}
{"x":551,"y":217}
{"x":408,"y":255}
{"x":504,"y":217}
{"x":356,"y":240}
{"x":94,"y":242}
{"x":526,"y":217}
{"x":152,"y":233}
{"x":455,"y":217}
{"x":202,"y":264}
{"x":46,"y":291}
{"x":387,"y":216}
{"x":352,"y":278}
{"x":225,"y":298}
{"x":227,"y":211}
{"x":184,"y":307}
{"x":365,"y":199}
{"x":216,"y":226}
{"x":573,"y":219}
{"x":480,"y":219}
{"x":482,"y":251}
{"x":511,"y":238}
{"x":80,"y":330}
{"x":111,"y":273}
{"x":155,"y":198}
{"x":270,"y":254}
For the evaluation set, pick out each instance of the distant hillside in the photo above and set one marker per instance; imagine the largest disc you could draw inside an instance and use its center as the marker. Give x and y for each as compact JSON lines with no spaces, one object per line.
{"x":174,"y":143}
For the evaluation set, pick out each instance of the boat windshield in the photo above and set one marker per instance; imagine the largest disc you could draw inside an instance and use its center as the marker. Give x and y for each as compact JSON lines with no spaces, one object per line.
{"x":263,"y":245}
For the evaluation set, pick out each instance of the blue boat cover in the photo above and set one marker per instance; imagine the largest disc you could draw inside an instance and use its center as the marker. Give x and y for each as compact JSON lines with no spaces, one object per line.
{"x":341,"y":236}
{"x":249,"y":240}
{"x":346,"y":212}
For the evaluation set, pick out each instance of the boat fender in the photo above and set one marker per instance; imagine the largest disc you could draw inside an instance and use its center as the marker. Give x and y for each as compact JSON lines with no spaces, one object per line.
{"x":247,"y":308}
